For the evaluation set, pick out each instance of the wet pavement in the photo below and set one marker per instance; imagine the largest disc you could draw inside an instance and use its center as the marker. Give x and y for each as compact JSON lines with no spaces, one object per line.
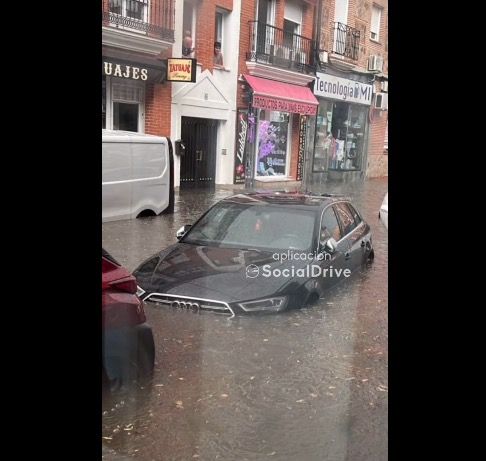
{"x":309,"y":384}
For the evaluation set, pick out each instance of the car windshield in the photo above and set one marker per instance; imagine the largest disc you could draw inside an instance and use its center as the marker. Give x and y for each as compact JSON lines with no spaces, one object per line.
{"x":265,"y":227}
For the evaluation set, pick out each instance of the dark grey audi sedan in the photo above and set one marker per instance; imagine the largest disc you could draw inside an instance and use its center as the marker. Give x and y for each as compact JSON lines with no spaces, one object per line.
{"x":259,"y":252}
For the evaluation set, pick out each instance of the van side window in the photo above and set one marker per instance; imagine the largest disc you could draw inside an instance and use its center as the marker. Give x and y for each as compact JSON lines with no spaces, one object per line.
{"x":345,"y":217}
{"x":329,"y":226}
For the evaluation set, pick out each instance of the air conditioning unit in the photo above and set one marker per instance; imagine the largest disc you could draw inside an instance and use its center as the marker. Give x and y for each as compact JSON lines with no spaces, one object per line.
{"x":384,"y":85}
{"x":323,"y":56}
{"x":375,"y":63}
{"x":381,"y":101}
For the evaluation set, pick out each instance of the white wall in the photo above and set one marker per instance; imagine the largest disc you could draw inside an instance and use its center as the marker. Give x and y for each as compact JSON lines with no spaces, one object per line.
{"x":213,"y":95}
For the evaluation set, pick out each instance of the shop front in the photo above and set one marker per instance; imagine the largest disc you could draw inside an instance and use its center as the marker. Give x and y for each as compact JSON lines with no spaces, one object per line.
{"x":127,"y":80}
{"x":341,"y":130}
{"x":277,"y":121}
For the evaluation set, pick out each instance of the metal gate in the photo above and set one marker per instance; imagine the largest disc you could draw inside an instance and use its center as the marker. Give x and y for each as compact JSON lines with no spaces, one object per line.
{"x":198,"y":163}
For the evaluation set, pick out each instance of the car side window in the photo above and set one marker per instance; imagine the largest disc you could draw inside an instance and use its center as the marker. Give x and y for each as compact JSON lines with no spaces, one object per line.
{"x":357,"y":219}
{"x":329,"y":226}
{"x":345,"y":217}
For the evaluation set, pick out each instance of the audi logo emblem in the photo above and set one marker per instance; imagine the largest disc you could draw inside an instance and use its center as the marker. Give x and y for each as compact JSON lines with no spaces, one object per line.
{"x":185,"y":305}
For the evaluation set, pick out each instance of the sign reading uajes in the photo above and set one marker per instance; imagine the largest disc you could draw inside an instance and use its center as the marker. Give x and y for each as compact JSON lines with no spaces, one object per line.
{"x":343,"y":89}
{"x":122,"y":70}
{"x":283,"y":105}
{"x":181,"y":70}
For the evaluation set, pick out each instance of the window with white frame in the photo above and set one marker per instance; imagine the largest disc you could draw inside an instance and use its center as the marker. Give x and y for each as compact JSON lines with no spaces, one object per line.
{"x":134,"y":9}
{"x":219,"y":30}
{"x":375,"y":23}
{"x":124,"y":105}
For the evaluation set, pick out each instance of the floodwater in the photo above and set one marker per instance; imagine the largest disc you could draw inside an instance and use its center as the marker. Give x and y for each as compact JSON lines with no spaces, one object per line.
{"x":309,"y":384}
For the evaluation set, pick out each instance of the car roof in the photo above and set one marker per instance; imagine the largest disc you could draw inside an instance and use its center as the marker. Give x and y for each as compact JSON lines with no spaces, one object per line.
{"x":286,"y":199}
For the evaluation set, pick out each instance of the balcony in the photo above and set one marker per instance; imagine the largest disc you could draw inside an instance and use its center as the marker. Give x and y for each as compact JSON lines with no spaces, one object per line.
{"x":271,"y":46}
{"x":139,"y":25}
{"x":346,"y":41}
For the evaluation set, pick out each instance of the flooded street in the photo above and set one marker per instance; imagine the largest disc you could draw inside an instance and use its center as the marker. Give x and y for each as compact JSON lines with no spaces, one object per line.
{"x":308,"y":384}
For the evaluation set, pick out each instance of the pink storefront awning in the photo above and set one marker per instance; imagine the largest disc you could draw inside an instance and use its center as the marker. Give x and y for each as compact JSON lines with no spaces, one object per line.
{"x":284,"y":97}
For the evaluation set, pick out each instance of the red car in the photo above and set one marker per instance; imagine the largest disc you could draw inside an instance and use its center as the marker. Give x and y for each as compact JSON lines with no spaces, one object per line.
{"x":128,"y":343}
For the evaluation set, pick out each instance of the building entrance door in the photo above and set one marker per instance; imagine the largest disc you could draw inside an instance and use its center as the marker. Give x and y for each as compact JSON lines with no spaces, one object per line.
{"x":198,"y":163}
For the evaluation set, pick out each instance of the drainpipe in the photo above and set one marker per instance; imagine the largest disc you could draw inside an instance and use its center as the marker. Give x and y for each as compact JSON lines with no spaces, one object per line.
{"x":317,"y":29}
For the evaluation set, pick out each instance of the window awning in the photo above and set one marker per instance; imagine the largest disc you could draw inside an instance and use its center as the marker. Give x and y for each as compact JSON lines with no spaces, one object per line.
{"x":284,"y":97}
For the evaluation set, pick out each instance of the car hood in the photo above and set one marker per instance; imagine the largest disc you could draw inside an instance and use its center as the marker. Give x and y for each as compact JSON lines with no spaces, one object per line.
{"x":215,"y":273}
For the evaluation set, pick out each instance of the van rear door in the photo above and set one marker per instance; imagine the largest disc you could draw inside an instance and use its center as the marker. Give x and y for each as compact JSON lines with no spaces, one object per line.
{"x":150,"y":176}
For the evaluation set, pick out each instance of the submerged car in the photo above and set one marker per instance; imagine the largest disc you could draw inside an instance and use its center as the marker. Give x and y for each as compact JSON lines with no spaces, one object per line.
{"x":259,"y":252}
{"x":127,"y":341}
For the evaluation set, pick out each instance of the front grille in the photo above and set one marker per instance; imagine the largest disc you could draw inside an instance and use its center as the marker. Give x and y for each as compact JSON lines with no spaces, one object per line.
{"x":190,"y":303}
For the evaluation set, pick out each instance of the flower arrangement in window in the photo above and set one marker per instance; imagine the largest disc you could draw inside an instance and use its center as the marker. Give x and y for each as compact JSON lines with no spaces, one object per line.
{"x":268,"y":136}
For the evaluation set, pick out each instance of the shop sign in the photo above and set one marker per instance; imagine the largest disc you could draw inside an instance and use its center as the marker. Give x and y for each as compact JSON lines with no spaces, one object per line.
{"x":302,"y":136}
{"x":241,"y":133}
{"x":124,"y":71}
{"x":342,"y":89}
{"x":283,"y":105}
{"x":181,"y":70}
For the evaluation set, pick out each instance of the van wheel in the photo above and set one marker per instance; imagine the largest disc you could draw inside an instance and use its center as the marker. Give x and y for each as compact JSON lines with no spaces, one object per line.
{"x":145,"y":214}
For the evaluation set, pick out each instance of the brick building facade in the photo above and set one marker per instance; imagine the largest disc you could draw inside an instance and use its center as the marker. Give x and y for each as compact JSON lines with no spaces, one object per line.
{"x":353,"y":70}
{"x":276,"y":46}
{"x":136,"y":36}
{"x":290,"y":42}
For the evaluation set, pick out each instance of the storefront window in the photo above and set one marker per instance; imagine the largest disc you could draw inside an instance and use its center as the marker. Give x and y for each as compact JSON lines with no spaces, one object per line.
{"x":325,"y":144}
{"x":125,"y":116}
{"x":340,"y":138}
{"x":272,"y":158}
{"x":124,"y":105}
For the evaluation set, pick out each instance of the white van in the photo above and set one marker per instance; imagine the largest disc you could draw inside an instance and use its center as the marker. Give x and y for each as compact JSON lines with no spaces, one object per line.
{"x":137,"y":176}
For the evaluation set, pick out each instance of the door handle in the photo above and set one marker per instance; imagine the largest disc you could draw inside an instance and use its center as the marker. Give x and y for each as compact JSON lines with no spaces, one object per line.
{"x":199,"y":154}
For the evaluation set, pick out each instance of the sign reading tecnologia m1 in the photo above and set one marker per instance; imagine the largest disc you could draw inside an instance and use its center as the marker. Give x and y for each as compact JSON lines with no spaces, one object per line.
{"x":342,"y":89}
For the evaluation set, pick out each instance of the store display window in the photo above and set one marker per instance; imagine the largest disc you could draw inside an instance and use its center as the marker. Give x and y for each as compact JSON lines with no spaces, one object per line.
{"x":340,"y":136}
{"x":272,"y":143}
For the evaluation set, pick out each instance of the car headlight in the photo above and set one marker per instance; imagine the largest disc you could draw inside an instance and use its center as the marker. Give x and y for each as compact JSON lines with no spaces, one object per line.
{"x":268,"y":304}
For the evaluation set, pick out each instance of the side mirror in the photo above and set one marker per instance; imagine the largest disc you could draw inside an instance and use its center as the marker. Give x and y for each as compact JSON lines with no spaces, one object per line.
{"x":182,"y":231}
{"x":180,"y":147}
{"x":330,"y":245}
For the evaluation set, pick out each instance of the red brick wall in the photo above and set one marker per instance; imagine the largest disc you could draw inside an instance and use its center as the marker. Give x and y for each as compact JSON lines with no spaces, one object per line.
{"x":377,"y":158}
{"x":226,"y":4}
{"x":359,"y":16}
{"x":248,"y":13}
{"x":158,"y":99}
{"x":308,"y":20}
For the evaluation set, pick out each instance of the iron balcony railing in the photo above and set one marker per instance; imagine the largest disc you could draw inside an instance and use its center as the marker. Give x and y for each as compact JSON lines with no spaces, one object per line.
{"x":271,"y":45}
{"x":346,"y":41}
{"x":154,"y":18}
